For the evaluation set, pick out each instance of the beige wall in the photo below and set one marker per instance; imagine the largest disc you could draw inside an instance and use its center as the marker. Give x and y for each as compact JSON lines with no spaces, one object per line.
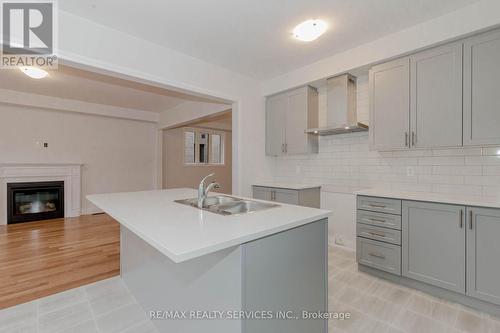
{"x":176,"y":174}
{"x":117,"y":154}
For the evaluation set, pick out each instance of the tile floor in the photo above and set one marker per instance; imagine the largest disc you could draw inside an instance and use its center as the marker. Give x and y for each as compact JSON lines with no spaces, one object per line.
{"x":101,"y":307}
{"x":374,"y":305}
{"x":379,"y":306}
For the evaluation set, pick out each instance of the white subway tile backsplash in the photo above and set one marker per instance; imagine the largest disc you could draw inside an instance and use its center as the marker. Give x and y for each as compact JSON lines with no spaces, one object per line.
{"x":441,"y":179}
{"x":491,"y":151}
{"x":463,"y":170}
{"x":482,"y":160}
{"x":442,"y":160}
{"x":475,"y":151}
{"x":491,"y":170}
{"x":483,"y":180}
{"x":346,"y":161}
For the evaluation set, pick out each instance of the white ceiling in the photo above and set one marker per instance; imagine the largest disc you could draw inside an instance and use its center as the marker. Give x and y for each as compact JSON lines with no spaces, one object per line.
{"x":76,"y":84}
{"x":253,"y":37}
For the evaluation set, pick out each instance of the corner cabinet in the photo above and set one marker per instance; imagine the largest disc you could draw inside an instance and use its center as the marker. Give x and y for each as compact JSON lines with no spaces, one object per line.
{"x":288,"y":115}
{"x":481,"y":94}
{"x":433,"y":238}
{"x":483,"y":253}
{"x":390,"y":105}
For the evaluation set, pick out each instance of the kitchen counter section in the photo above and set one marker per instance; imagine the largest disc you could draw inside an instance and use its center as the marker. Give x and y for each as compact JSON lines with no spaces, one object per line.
{"x":288,"y":186}
{"x":477,"y":201}
{"x":181,"y":232}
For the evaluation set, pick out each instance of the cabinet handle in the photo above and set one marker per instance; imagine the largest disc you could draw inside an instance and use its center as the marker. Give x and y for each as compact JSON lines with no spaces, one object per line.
{"x":376,"y":255}
{"x":471,"y":216}
{"x":461,"y":219}
{"x":413,"y":139}
{"x":377,"y":206}
{"x":282,"y":147}
{"x":376,"y":234}
{"x":286,"y":147}
{"x":406,"y":139}
{"x":377,"y":220}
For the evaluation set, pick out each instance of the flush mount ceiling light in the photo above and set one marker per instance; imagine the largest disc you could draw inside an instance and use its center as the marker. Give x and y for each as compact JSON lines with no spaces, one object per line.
{"x":309,"y":30}
{"x":34,"y":72}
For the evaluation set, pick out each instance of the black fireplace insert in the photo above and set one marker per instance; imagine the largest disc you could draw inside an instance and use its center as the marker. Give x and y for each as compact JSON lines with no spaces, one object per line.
{"x":34,"y":201}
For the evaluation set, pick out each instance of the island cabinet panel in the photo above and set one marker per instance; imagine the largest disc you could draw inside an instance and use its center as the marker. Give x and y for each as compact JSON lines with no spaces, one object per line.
{"x":481,"y":98}
{"x":433,"y":244}
{"x":287,"y":272}
{"x":483,"y":253}
{"x":159,"y":284}
{"x":436,"y":97}
{"x":390,"y":105}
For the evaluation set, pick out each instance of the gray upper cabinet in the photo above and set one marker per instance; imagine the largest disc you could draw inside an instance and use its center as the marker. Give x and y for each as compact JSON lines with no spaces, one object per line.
{"x":275,"y":130}
{"x":481,"y":94}
{"x":436,"y":97}
{"x":389,"y":105}
{"x":483,"y":251}
{"x":288,"y":115}
{"x":433,"y":244}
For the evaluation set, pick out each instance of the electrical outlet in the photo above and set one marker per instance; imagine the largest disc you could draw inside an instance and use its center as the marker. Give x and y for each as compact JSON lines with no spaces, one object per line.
{"x":410,"y":171}
{"x":339,"y":240}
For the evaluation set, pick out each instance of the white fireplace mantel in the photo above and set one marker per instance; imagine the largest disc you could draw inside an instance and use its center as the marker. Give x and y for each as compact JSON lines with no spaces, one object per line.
{"x":20,"y":173}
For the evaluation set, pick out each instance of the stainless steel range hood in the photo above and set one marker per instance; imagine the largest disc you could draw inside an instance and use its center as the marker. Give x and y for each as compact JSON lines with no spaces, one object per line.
{"x":341,"y":113}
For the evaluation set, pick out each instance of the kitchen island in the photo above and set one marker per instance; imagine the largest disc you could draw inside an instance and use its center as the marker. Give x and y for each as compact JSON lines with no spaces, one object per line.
{"x":197,"y":271}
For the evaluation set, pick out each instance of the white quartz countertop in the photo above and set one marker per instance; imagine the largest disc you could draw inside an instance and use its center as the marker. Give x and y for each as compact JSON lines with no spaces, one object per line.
{"x":290,"y":186}
{"x":182,"y":232}
{"x":478,"y":201}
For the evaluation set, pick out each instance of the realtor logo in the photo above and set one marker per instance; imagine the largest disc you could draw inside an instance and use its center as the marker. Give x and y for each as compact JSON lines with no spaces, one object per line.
{"x":28,"y":33}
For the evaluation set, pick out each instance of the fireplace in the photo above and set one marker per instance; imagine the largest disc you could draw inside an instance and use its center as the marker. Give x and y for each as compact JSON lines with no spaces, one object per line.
{"x":34,"y":201}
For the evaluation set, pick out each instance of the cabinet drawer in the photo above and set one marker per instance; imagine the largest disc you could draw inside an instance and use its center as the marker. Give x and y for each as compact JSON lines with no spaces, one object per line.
{"x":379,"y":219}
{"x":383,"y":205}
{"x":377,"y":233}
{"x":383,"y":256}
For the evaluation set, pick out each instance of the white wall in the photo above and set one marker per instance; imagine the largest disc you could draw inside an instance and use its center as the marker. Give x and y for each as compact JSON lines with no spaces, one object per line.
{"x":478,"y":16}
{"x":110,"y":51}
{"x":118,"y":154}
{"x":189,"y":111}
{"x":106,"y":49}
{"x":344,"y":164}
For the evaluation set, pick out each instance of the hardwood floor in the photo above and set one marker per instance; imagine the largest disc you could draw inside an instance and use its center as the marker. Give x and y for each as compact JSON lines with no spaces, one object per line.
{"x":42,"y":258}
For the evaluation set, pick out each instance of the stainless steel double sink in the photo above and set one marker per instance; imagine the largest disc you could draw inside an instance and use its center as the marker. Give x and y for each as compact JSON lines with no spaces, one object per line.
{"x":227,"y":205}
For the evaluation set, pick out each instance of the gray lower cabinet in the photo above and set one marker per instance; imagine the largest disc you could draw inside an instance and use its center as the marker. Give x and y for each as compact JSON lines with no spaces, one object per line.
{"x":433,"y":238}
{"x":481,"y":102}
{"x":308,"y":197}
{"x":483,"y":254}
{"x":378,"y":233}
{"x":380,"y":255}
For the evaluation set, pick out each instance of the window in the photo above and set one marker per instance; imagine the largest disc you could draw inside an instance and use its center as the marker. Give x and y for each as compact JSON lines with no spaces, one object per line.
{"x":216,"y":149}
{"x":189,"y":147}
{"x":203,"y":147}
